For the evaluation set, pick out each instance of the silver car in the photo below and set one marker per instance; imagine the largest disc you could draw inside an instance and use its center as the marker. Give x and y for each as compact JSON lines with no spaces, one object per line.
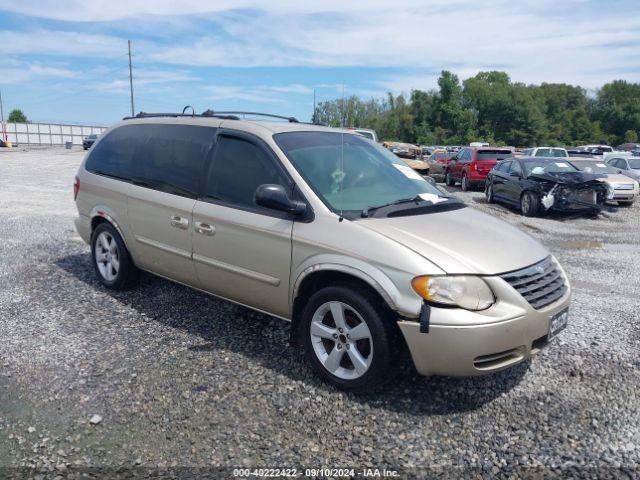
{"x":327,"y":230}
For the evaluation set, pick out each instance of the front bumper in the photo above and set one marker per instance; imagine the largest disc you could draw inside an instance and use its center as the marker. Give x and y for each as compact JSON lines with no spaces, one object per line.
{"x":465,"y":343}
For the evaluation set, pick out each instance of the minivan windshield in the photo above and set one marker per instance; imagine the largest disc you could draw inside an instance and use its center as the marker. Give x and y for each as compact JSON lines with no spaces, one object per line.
{"x":352,"y":174}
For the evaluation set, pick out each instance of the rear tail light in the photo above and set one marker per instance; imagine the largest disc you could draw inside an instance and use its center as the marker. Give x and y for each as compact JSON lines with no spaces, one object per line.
{"x":76,"y":187}
{"x":474,"y":166}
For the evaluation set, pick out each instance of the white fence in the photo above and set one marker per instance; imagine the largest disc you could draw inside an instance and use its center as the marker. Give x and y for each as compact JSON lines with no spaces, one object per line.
{"x":47,"y":133}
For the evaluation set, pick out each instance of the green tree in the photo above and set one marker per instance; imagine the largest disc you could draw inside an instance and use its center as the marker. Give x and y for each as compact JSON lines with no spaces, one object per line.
{"x":631,"y":136}
{"x":16,"y":116}
{"x":490,"y":107}
{"x":617,"y":108}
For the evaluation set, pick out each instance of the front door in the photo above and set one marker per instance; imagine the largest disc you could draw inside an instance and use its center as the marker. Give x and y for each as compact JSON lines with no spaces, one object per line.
{"x":242,"y":251}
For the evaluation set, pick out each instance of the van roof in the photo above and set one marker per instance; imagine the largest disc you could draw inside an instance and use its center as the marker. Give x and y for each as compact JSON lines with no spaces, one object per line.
{"x":271,"y":126}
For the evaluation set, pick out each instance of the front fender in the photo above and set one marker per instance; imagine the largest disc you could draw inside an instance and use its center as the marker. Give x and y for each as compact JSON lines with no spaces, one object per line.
{"x":405,"y":303}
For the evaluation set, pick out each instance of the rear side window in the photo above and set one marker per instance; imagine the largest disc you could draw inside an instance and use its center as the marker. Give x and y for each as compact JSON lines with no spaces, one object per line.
{"x":113,"y":155}
{"x":493,"y":154}
{"x":163,"y":157}
{"x":172,"y":156}
{"x":239,"y":168}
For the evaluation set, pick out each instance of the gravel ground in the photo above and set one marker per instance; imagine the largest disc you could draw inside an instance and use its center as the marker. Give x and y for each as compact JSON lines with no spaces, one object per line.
{"x":163,"y":377}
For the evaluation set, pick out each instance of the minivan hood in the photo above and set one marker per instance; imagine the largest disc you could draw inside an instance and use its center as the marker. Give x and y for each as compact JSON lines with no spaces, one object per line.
{"x":462,"y":241}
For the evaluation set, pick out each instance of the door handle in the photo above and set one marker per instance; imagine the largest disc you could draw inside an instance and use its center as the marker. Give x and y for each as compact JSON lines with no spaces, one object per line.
{"x":204,"y":228}
{"x":179,"y":222}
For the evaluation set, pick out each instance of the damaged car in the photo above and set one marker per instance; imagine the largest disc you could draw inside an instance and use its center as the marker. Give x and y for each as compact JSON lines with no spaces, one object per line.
{"x":536,"y":184}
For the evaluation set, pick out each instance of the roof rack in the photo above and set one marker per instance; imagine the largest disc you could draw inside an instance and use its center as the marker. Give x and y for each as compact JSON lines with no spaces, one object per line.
{"x":227,"y":115}
{"x":271,"y":115}
{"x":171,"y":114}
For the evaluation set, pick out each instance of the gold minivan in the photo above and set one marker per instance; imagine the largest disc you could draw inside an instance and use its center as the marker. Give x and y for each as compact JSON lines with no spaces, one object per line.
{"x":325,"y":229}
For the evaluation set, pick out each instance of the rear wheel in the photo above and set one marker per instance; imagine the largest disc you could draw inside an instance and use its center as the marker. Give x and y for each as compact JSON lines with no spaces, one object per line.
{"x":448,"y":179}
{"x":347,"y":338}
{"x":529,"y":204}
{"x":111,"y":259}
{"x":464,"y":183}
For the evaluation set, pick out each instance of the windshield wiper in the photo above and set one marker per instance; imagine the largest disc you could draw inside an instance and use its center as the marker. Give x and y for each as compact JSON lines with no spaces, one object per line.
{"x":369,"y":210}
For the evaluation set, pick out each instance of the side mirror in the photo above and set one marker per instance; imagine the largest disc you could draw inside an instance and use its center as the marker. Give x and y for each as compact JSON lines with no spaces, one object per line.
{"x":514,"y":174}
{"x":275,"y":197}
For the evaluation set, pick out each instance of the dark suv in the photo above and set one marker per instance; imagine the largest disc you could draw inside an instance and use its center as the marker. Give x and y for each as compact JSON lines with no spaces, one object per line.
{"x":471,"y":165}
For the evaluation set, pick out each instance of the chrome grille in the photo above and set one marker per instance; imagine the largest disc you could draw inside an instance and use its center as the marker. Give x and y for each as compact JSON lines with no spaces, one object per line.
{"x":540,"y":284}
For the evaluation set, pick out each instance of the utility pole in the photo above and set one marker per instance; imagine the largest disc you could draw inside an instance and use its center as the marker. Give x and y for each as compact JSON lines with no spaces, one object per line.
{"x":131,"y":79}
{"x":313,"y":119}
{"x":4,"y":131}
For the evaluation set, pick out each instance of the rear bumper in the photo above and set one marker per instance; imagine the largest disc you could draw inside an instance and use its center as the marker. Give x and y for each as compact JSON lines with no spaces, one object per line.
{"x":465,"y":349}
{"x":83,"y":227}
{"x":477,"y":178}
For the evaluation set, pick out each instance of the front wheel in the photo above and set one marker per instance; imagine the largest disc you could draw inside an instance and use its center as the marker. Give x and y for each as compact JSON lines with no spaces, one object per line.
{"x":347,"y":338}
{"x":529,"y":204}
{"x":488,"y":193}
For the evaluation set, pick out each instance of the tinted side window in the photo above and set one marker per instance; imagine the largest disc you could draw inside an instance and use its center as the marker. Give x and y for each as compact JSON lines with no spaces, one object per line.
{"x":503,"y":167}
{"x":515,"y":167}
{"x":172,"y":157}
{"x":113,"y":155}
{"x":239,"y":167}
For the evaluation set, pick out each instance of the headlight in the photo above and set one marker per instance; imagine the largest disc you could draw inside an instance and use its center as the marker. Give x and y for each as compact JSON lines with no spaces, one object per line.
{"x":468,"y":292}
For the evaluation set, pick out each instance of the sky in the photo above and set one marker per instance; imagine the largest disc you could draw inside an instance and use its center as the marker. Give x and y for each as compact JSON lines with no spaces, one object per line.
{"x":66,"y":60}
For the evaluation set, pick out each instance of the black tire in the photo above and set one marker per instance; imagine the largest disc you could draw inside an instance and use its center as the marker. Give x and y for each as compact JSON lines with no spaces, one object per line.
{"x":529,"y":204}
{"x":384,"y":336}
{"x":625,"y":203}
{"x":464,"y":183}
{"x":448,"y":179}
{"x":127,"y":274}
{"x":488,"y":193}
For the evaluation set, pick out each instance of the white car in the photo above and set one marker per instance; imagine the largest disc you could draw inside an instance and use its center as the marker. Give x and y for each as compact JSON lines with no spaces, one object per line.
{"x":545,"y":152}
{"x":624,"y":163}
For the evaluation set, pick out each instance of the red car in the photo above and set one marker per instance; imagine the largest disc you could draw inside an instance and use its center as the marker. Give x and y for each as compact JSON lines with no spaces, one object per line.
{"x":471,"y":165}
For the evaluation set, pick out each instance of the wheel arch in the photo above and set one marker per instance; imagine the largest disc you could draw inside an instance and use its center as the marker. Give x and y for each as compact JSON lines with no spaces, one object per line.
{"x":100,"y":214}
{"x":317,"y":276}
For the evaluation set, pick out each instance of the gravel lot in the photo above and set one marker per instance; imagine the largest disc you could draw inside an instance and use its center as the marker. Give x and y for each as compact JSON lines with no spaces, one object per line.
{"x":175,"y":378}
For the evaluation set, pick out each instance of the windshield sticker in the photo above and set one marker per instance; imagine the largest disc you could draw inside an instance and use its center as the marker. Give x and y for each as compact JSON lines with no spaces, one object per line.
{"x":408,"y":172}
{"x":562,"y":164}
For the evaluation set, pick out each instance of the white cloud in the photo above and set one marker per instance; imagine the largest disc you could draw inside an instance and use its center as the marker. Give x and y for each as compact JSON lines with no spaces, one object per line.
{"x":257,"y":93}
{"x":534,"y":41}
{"x":56,"y":42}
{"x":21,"y":73}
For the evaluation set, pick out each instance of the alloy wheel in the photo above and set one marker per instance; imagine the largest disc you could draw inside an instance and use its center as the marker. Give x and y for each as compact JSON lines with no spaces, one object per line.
{"x":341,"y":340}
{"x":107,"y":256}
